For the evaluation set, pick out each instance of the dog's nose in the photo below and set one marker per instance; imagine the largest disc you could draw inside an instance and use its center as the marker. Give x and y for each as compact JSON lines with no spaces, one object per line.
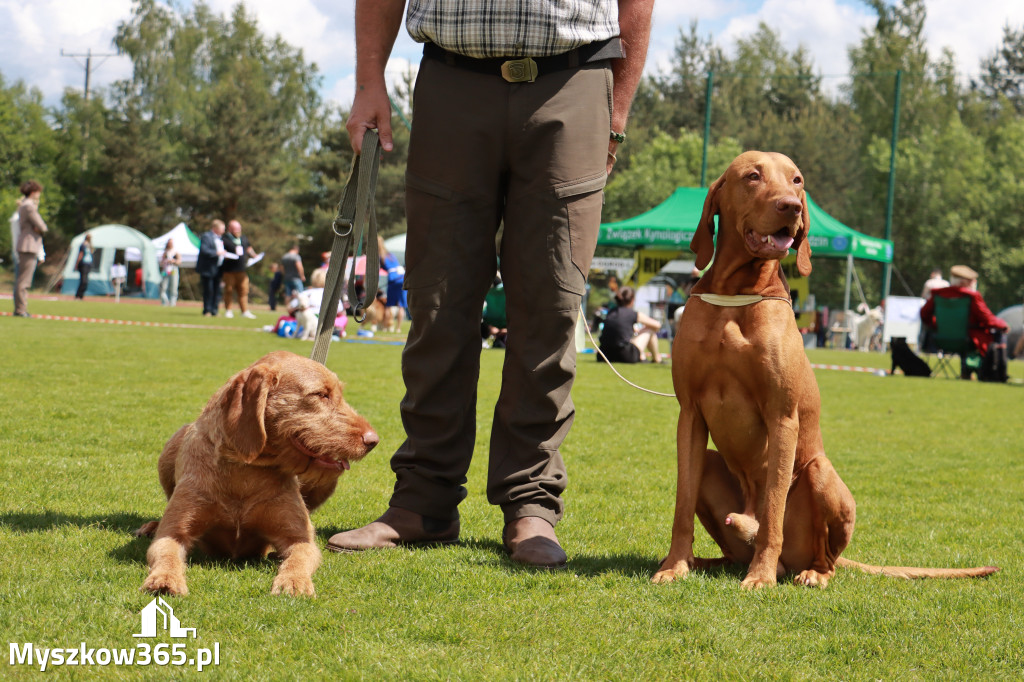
{"x":370,"y":439}
{"x":788,"y":205}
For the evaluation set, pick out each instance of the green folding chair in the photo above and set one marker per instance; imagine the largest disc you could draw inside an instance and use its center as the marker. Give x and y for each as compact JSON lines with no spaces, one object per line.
{"x":951,"y":337}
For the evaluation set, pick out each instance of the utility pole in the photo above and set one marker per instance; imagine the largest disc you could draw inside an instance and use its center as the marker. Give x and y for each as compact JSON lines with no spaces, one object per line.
{"x":890,"y":196}
{"x":88,"y":55}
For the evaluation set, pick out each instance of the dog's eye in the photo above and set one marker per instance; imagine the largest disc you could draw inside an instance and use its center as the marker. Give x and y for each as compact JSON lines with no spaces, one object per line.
{"x":753,"y":176}
{"x":323,"y":395}
{"x":798,"y":180}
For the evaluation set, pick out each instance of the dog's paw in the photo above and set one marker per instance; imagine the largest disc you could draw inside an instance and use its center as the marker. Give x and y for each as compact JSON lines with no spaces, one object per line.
{"x":812,"y":579}
{"x":165,"y":583}
{"x":293,"y":586}
{"x":669,"y":572}
{"x":757,"y":582}
{"x":146,"y":530}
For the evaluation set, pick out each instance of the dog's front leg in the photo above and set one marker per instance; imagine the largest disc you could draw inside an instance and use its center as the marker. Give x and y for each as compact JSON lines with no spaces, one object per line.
{"x":182,"y":523}
{"x":301,"y":559}
{"x":691,"y":445}
{"x":782,"y":442}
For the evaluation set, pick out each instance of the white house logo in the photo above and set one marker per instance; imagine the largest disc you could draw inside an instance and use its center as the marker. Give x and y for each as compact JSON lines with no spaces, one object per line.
{"x":159,"y":612}
{"x":157,"y":617}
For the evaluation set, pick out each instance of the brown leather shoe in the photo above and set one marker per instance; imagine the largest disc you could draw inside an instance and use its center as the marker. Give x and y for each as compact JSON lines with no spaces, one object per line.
{"x":394,"y":528}
{"x":531,"y":541}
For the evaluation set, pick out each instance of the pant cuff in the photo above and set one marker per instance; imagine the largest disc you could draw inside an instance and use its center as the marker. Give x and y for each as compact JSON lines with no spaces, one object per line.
{"x":539,"y":510}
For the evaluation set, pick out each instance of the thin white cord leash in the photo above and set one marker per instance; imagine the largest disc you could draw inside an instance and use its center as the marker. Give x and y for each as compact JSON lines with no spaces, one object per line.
{"x":609,"y":362}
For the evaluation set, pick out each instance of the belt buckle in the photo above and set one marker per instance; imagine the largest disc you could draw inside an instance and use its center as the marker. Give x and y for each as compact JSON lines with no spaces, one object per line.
{"x":519,"y":70}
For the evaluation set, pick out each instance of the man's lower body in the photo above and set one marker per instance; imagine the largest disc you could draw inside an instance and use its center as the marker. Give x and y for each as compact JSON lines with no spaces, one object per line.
{"x":83,"y":280}
{"x":26,"y":271}
{"x":292,"y":285}
{"x":237,"y":283}
{"x":211,"y":293}
{"x":531,"y":156}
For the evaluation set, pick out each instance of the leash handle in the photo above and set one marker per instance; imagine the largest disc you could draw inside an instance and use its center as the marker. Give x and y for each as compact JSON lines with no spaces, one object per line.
{"x":355,"y":222}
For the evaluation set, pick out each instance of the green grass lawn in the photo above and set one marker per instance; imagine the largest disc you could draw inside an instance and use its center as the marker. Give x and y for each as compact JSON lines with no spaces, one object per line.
{"x":935,"y":466}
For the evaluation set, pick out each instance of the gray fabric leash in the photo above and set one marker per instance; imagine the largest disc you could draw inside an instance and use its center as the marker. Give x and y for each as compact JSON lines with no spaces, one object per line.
{"x":356,"y":222}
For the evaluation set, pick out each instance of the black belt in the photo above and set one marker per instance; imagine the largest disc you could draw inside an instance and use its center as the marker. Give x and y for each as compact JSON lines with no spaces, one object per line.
{"x":526,"y":69}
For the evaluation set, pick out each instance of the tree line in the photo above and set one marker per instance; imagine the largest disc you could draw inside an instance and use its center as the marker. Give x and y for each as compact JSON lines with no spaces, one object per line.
{"x":219,"y":119}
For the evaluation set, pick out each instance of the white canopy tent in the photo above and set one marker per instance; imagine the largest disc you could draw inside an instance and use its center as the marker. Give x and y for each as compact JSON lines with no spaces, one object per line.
{"x":396,"y":247}
{"x":186,"y":242}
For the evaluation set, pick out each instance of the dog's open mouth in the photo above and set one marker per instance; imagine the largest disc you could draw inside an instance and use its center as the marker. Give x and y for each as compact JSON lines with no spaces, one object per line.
{"x":769,"y":245}
{"x":322,"y":461}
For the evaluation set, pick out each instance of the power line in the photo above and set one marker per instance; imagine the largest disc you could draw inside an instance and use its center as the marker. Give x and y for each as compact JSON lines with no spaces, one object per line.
{"x":88,"y":63}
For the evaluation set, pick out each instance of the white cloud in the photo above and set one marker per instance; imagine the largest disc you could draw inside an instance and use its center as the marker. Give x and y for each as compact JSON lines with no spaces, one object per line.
{"x":972,"y":31}
{"x":41,"y":29}
{"x":826,"y":28}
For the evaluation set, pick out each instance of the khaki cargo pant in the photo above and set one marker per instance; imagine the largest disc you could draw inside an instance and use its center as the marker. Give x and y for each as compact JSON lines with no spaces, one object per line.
{"x":484,"y":151}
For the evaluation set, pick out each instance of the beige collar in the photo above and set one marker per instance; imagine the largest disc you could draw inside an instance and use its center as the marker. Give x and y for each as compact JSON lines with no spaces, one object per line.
{"x":737,"y":300}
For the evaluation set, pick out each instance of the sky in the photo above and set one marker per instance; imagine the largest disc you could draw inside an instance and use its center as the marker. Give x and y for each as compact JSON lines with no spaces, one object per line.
{"x":39,"y":40}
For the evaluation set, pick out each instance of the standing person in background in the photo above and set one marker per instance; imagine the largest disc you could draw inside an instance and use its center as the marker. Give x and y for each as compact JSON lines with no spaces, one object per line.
{"x":934,"y":281}
{"x":170,"y":261}
{"x":274,"y":288}
{"x":519,"y":109}
{"x":208,"y":264}
{"x":83,"y":264}
{"x":29,"y":244}
{"x":238,"y":252}
{"x":396,"y":297}
{"x":291,"y":264}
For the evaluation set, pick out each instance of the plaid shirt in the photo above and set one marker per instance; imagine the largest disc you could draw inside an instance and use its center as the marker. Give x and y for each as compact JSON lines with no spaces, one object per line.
{"x":512,"y":28}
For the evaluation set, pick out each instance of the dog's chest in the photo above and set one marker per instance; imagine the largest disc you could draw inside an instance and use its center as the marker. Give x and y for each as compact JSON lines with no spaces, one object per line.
{"x":245,"y":514}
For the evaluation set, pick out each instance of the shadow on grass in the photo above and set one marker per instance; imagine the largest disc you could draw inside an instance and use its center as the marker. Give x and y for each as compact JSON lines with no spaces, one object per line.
{"x":132,"y":552}
{"x":31,"y":522}
{"x":629,"y":565}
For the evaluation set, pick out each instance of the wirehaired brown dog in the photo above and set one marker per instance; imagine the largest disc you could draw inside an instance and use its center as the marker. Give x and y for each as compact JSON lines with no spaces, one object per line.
{"x":768,"y":496}
{"x":267,"y":449}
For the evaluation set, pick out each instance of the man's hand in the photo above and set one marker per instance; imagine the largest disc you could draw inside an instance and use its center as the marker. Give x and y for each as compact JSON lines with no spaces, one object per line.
{"x":377,"y":26}
{"x":370,"y":109}
{"x":613,"y":147}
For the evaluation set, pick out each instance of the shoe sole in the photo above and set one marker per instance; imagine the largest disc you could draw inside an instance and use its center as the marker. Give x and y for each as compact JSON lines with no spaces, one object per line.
{"x":544,"y":567}
{"x":412,"y":543}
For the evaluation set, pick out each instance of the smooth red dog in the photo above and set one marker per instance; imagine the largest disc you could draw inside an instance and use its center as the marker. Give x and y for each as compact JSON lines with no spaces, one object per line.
{"x":267,"y":449}
{"x":768,"y":496}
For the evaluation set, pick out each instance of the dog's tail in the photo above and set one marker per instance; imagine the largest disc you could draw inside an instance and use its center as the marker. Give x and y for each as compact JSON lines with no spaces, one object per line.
{"x":912,"y":572}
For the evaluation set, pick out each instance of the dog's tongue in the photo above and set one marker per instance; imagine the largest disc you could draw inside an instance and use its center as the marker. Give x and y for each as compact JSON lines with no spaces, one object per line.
{"x":782,"y":240}
{"x":345,"y":465}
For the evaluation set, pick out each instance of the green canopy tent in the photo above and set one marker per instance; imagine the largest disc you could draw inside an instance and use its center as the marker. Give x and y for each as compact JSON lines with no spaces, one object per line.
{"x":670,"y":225}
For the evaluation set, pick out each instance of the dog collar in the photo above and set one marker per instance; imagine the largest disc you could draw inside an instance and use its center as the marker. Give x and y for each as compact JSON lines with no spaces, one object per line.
{"x":736,"y":300}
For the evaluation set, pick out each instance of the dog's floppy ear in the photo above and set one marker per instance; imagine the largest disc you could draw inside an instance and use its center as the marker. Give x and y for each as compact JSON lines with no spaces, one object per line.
{"x":703,"y":242}
{"x":802,"y":244}
{"x":244,"y":406}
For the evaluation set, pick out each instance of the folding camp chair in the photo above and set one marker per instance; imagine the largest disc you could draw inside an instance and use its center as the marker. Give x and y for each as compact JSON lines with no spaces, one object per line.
{"x":951,"y":337}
